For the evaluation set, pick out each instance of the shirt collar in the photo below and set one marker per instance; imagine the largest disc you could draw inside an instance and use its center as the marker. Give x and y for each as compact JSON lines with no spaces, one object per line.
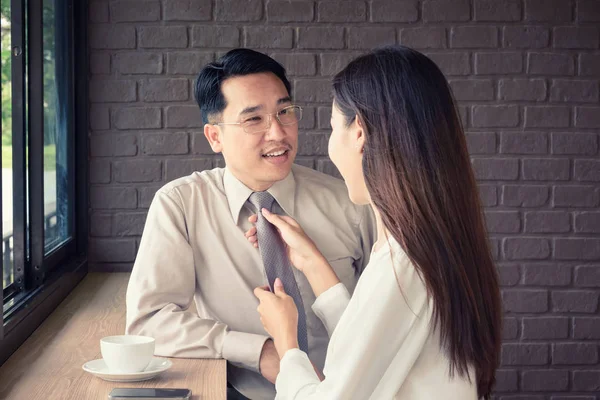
{"x":237,"y":193}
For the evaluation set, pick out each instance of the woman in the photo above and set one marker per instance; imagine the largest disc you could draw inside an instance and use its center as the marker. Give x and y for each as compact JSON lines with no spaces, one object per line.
{"x":425,"y":318}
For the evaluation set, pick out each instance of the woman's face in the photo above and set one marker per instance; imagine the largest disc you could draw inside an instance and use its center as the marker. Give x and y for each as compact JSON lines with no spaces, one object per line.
{"x":345,"y":150}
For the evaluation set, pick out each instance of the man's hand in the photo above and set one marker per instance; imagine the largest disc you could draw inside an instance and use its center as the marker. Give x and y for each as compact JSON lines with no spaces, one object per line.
{"x":269,"y":361}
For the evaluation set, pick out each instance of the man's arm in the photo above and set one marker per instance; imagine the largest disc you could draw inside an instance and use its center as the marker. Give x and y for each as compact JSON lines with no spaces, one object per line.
{"x":162,"y":287}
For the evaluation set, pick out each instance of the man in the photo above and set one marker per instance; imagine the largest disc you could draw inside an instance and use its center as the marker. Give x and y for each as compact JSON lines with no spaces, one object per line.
{"x":194,"y":247}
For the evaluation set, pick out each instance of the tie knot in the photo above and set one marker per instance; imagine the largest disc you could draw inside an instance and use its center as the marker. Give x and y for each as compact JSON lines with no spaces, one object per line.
{"x":261,"y":200}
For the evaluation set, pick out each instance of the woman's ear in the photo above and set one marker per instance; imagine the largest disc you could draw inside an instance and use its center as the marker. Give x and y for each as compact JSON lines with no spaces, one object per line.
{"x":213,"y":135}
{"x":359,"y":135}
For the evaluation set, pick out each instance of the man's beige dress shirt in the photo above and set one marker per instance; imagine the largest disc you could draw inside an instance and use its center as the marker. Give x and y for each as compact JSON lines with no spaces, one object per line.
{"x":193,"y":249}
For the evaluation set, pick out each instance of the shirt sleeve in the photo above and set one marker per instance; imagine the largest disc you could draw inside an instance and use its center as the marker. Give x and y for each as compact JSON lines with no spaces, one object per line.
{"x":161,"y":289}
{"x":382,"y":332}
{"x":330,"y":306}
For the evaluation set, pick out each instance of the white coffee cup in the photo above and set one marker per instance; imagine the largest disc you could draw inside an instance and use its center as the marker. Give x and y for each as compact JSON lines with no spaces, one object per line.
{"x":127,"y":353}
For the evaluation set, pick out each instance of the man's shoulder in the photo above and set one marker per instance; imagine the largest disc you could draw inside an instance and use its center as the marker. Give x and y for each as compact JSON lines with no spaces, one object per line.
{"x":200,"y":181}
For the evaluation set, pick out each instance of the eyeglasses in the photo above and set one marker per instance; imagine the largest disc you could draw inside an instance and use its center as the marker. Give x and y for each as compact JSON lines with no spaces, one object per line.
{"x":256,"y":123}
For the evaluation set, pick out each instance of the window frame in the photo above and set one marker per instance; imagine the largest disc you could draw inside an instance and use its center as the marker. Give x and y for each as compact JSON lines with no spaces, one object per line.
{"x":44,"y":280}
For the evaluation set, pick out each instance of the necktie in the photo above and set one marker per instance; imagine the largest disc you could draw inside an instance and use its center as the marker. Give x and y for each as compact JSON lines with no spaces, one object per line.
{"x":276,"y":261}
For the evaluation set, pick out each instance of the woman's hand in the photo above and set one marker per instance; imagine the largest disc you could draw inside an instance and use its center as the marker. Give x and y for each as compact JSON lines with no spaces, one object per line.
{"x":302,"y":251}
{"x":279,"y":316}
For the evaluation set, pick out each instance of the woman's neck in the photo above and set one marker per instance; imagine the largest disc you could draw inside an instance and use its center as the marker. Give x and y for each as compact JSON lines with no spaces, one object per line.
{"x":382,"y":232}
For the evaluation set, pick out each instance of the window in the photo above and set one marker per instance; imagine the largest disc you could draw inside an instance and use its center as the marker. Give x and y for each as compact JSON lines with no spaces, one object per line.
{"x":44,"y":125}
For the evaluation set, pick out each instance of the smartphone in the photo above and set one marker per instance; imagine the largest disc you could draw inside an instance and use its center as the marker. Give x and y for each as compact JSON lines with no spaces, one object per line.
{"x":149,"y":394}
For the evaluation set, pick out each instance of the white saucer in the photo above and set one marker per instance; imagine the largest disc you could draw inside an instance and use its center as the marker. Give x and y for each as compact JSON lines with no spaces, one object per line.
{"x":99,"y":369}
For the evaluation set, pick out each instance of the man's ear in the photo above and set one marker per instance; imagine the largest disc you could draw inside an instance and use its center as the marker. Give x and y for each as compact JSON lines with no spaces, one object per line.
{"x":213,"y":135}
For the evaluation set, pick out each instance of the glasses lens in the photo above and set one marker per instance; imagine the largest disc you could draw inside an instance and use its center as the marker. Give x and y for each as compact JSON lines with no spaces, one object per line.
{"x":256,"y":123}
{"x":290,"y":115}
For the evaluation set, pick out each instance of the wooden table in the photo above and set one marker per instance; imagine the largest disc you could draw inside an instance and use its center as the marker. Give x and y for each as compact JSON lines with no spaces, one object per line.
{"x":48,"y":364}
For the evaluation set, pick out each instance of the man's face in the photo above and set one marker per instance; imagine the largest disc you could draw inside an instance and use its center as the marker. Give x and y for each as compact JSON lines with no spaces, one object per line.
{"x":257,"y":159}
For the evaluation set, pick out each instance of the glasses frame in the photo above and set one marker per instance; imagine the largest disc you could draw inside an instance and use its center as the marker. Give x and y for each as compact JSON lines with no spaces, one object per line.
{"x":276,"y":114}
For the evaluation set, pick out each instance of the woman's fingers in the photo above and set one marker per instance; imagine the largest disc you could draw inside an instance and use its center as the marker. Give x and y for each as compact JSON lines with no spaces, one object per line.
{"x":251,"y":232}
{"x":253,"y":218}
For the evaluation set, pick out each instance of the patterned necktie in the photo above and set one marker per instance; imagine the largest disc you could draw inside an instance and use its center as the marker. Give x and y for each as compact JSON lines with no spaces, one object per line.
{"x":276,"y":261}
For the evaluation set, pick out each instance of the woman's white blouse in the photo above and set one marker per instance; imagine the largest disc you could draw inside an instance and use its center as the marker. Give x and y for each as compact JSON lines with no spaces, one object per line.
{"x":383,"y":344}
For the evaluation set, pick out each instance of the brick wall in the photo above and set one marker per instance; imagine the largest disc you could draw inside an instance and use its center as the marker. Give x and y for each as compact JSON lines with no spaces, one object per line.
{"x":525,"y":73}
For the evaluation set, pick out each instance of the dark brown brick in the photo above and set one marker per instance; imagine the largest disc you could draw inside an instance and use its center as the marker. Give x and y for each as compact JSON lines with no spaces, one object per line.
{"x":586,"y":328}
{"x":509,"y":275}
{"x":153,"y":90}
{"x":472,"y":89}
{"x":522,"y":89}
{"x":98,"y":11}
{"x":446,"y":10}
{"x":575,"y":143}
{"x":524,"y":248}
{"x":153,"y":37}
{"x":550,"y":64}
{"x":113,"y":145}
{"x":523,"y":143}
{"x":574,"y":354}
{"x":455,"y":63}
{"x":215,"y":36}
{"x":570,"y":90}
{"x":545,"y":328}
{"x":154,"y":144}
{"x":547,"y":222}
{"x":525,"y":195}
{"x":239,"y":10}
{"x":525,"y":37}
{"x":577,"y":249}
{"x":269,"y":37}
{"x":112,"y":250}
{"x":492,"y":10}
{"x":503,"y":221}
{"x":473,"y":37}
{"x":586,"y":381}
{"x":545,"y":380}
{"x":546,"y":275}
{"x":394,"y":11}
{"x":187,"y":10}
{"x":546,"y":169}
{"x":187,"y":62}
{"x":290,"y":11}
{"x":510,"y":328}
{"x":112,"y":91}
{"x":135,"y":10}
{"x":138,"y":63}
{"x":106,"y":36}
{"x":332,"y":63}
{"x":548,"y":10}
{"x":424,"y":37}
{"x":506,"y":380}
{"x":481,"y":142}
{"x":129,"y":224}
{"x":313,"y":90}
{"x":183,"y":116}
{"x":571,"y":37}
{"x":575,"y":301}
{"x":99,"y":63}
{"x":297,"y":64}
{"x":183,"y":167}
{"x":588,"y":11}
{"x":576,"y":196}
{"x":130,"y":171}
{"x":137,"y":118}
{"x":342,"y":11}
{"x":488,"y":195}
{"x":495,"y":116}
{"x":319,"y":37}
{"x":498,"y":63}
{"x":370,"y":37}
{"x":589,"y":64}
{"x":99,"y":171}
{"x":587,"y":170}
{"x":587,"y":117}
{"x":112,"y":197}
{"x":587,"y":275}
{"x":496,"y":168}
{"x":524,"y":354}
{"x":547,"y":116}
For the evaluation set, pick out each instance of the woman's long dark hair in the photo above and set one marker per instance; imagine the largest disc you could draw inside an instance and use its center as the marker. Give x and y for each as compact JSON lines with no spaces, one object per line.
{"x":417,"y":170}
